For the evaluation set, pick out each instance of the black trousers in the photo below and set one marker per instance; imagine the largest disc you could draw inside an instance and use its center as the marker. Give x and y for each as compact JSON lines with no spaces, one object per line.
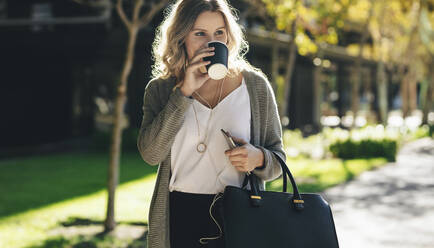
{"x":190,"y":220}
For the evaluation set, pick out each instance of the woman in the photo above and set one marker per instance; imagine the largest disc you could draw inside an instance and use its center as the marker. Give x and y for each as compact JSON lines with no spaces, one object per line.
{"x":183,"y":113}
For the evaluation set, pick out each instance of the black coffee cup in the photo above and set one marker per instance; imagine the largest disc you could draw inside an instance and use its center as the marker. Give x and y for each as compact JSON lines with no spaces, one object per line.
{"x":218,"y":68}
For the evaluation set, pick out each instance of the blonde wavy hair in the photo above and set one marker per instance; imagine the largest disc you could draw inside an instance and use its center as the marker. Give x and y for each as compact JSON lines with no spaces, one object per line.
{"x":168,"y":48}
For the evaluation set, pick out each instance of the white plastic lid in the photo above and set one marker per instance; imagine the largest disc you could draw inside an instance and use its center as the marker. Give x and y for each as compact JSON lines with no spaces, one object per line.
{"x":217,"y":71}
{"x":217,"y":41}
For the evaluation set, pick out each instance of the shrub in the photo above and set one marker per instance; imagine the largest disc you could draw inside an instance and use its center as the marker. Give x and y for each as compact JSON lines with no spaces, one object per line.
{"x":368,"y":148}
{"x":366,"y":142}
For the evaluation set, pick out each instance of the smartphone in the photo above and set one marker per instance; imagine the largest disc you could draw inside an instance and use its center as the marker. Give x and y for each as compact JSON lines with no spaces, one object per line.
{"x":229,"y":139}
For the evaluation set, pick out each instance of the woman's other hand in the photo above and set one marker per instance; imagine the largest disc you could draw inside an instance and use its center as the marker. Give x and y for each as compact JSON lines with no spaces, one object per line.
{"x":245,"y":157}
{"x":194,"y":78}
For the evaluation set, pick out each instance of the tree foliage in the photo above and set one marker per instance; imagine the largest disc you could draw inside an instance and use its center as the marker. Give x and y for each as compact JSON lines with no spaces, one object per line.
{"x":400,"y":31}
{"x":317,"y":20}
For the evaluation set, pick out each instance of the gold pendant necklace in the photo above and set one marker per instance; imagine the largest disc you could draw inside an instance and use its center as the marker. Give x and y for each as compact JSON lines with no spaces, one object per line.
{"x":201,"y":147}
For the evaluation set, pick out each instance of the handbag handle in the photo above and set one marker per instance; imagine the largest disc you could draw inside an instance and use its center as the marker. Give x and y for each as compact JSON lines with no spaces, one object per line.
{"x":256,"y":199}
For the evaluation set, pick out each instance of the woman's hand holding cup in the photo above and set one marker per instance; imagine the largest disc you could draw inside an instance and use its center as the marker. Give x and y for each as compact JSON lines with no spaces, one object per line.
{"x":194,"y":78}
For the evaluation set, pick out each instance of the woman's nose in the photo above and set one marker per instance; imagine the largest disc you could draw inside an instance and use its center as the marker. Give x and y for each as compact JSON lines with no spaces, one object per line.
{"x":208,"y":39}
{"x":214,"y":37}
{"x":220,"y":38}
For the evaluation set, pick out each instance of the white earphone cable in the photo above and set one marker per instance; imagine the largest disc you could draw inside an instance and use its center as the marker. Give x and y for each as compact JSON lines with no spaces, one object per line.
{"x":202,"y":240}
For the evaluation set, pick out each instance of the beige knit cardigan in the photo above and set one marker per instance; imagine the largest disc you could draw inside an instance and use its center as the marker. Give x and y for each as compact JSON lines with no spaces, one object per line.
{"x":163,"y":115}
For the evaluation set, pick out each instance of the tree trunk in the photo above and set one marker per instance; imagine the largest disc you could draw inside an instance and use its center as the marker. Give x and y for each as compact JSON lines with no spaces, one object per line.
{"x":358,"y":70}
{"x":404,"y":96}
{"x":367,"y":92}
{"x":355,"y":99}
{"x":275,"y":68}
{"x":317,"y":93}
{"x":341,"y":89}
{"x":115,"y":148}
{"x":292,"y":53}
{"x":408,"y":83}
{"x":382,"y":92}
{"x":412,"y":94}
{"x":133,"y":26}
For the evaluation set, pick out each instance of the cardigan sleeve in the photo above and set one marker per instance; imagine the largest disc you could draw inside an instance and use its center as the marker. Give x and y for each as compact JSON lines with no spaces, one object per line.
{"x":159,"y":126}
{"x":273,"y":138}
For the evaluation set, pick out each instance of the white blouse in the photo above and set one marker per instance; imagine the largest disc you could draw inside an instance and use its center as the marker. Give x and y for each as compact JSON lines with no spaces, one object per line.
{"x":210,"y":172}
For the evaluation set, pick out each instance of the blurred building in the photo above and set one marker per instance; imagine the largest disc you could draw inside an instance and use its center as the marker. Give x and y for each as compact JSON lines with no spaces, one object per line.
{"x":314,"y":94}
{"x":50,"y":51}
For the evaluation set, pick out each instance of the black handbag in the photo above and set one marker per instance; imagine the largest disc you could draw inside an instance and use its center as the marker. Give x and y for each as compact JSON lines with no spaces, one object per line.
{"x":262,"y":219}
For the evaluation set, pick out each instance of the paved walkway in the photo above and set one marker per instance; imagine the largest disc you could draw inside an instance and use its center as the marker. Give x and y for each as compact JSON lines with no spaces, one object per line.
{"x":389,"y":207}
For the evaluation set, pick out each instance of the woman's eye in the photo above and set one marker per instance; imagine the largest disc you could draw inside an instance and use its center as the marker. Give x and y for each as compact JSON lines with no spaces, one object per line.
{"x":219,"y":32}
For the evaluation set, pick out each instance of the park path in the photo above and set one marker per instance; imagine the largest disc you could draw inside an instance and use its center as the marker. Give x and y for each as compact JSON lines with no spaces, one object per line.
{"x":389,"y":207}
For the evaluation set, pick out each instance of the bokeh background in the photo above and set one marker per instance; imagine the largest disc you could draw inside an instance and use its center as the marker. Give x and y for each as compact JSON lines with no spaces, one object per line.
{"x":354,"y":81}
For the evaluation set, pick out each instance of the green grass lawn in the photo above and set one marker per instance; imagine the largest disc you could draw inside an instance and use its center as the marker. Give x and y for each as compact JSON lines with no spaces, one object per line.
{"x":318,"y":175}
{"x":40,"y":194}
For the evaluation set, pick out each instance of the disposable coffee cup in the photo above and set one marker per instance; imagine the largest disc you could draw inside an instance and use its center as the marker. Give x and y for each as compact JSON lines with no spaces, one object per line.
{"x":218,"y":68}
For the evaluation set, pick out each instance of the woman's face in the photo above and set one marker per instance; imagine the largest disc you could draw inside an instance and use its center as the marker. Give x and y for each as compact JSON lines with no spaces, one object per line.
{"x":207,"y":27}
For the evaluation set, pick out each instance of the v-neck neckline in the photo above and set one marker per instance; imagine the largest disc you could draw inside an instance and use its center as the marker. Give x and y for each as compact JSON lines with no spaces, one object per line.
{"x":224,"y":99}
